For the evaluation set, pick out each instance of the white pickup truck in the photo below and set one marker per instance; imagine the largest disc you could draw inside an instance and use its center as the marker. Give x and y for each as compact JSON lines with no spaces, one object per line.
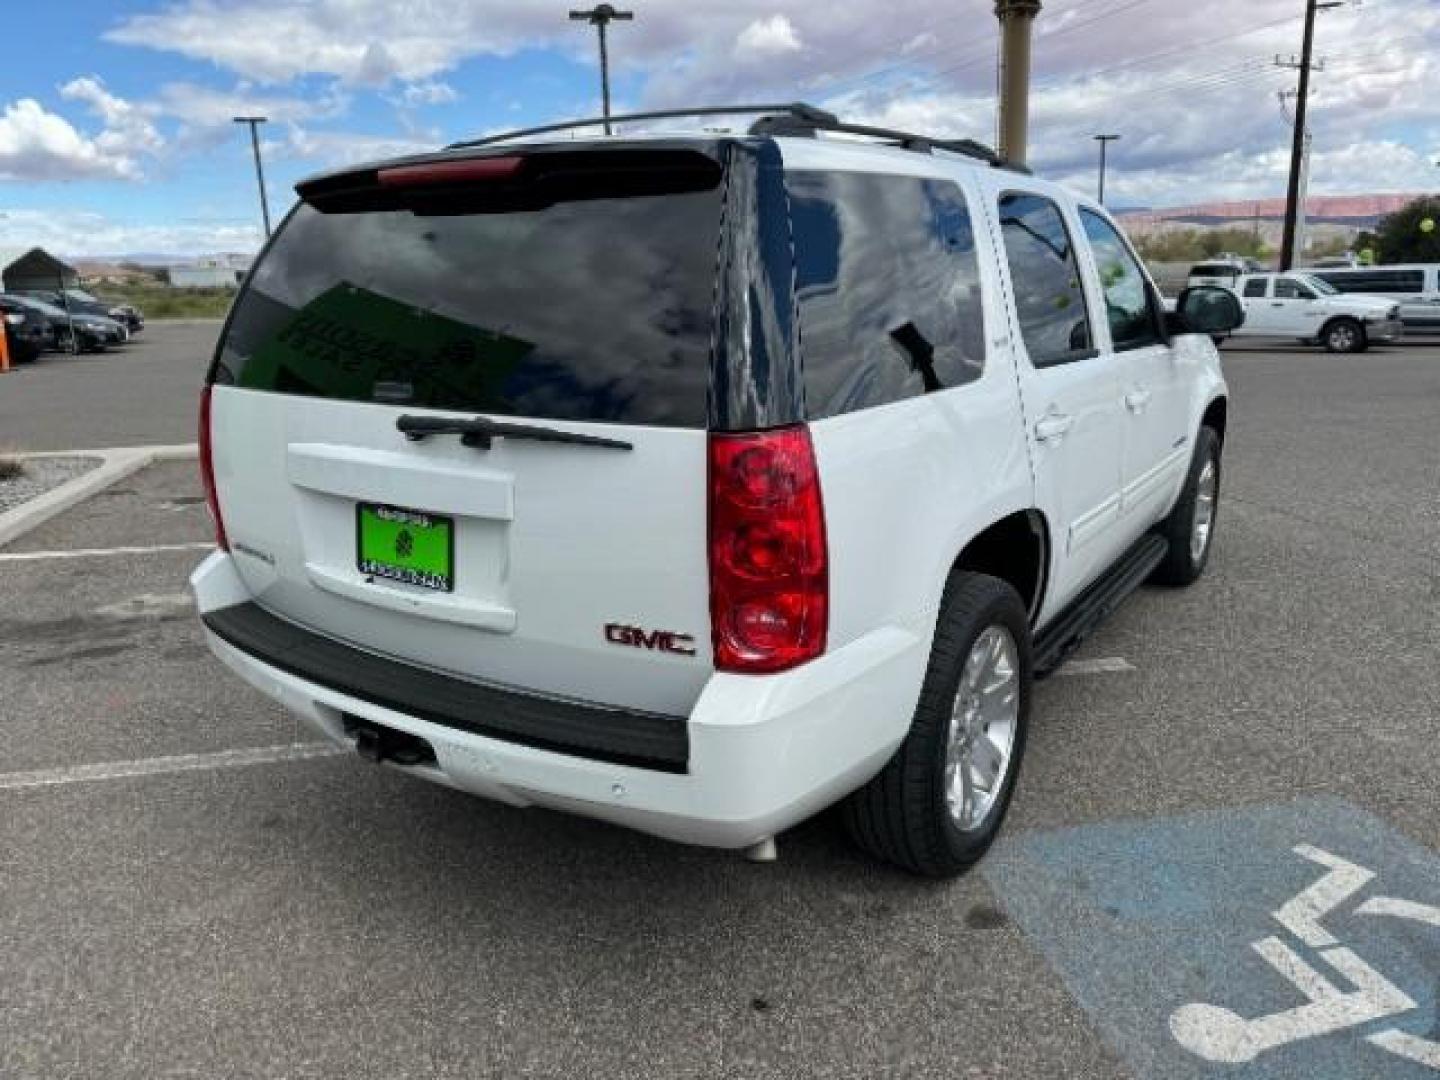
{"x":1302,"y":306}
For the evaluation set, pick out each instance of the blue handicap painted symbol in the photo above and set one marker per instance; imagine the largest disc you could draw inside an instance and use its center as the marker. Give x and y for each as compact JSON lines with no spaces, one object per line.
{"x":1219,"y":1034}
{"x":1290,"y":942}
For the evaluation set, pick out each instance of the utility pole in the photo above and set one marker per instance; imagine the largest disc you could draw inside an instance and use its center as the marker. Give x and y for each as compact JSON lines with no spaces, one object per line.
{"x":1297,"y":149}
{"x":600,"y":17}
{"x":1104,"y":141}
{"x":255,"y":122}
{"x":1017,"y":19}
{"x":1302,"y":221}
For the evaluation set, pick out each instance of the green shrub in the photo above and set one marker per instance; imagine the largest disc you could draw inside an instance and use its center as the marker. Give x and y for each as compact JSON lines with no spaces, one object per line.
{"x":164,"y":302}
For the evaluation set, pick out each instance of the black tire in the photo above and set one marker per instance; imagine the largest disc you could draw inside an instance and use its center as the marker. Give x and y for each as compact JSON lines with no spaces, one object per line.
{"x":1181,"y":567}
{"x":1344,"y":336}
{"x":901,"y":816}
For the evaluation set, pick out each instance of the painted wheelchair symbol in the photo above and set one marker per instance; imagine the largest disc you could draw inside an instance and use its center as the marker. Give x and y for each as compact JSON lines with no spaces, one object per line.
{"x":1221,"y":1035}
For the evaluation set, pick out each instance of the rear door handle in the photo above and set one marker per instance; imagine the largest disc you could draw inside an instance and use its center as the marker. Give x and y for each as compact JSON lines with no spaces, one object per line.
{"x":1053,"y":427}
{"x":1137,"y":400}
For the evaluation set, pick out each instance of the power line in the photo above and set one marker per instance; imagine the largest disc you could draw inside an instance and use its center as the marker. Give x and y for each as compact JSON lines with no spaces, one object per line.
{"x":1190,"y":47}
{"x":983,"y":51}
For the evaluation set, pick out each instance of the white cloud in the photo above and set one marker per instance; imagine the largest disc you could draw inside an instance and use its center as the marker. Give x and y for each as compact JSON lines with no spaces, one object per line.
{"x":428,"y":92}
{"x":78,"y":233}
{"x":1191,"y":87}
{"x":202,"y":106}
{"x":127,"y":129}
{"x":328,"y":149}
{"x":38,"y":145}
{"x":770,"y":37}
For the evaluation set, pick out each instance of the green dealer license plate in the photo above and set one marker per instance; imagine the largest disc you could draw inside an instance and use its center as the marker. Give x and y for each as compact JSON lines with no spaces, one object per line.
{"x":406,"y":545}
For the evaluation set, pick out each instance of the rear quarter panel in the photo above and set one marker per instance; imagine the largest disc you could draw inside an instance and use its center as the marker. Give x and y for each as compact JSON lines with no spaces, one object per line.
{"x":909,"y":484}
{"x":906,"y":487}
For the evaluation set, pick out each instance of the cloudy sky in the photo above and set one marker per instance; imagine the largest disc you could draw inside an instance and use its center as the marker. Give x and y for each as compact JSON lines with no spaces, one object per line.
{"x":115,"y":130}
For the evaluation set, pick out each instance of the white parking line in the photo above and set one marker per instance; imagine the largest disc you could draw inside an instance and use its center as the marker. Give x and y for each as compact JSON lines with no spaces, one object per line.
{"x":1109,"y":665}
{"x":99,"y":553}
{"x":160,"y":766}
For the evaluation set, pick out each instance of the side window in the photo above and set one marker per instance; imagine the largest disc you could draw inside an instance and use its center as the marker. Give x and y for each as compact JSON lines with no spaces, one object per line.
{"x":1290,"y":289}
{"x":1405,"y":281}
{"x":1133,"y":324}
{"x":1046,"y":278}
{"x":887,"y":281}
{"x":1256,"y":287}
{"x":1380,"y":281}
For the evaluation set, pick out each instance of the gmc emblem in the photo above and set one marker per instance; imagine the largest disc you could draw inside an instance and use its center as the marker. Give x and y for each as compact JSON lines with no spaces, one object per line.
{"x":654,"y":640}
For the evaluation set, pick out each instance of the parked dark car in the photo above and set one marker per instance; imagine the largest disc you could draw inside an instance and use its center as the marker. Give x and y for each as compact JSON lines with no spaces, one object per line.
{"x":26,"y":332}
{"x":80,"y":302}
{"x":130,"y":315}
{"x":71,"y":332}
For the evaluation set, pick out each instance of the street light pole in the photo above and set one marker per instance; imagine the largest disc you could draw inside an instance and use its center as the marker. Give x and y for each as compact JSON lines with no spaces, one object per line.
{"x":255,"y":122}
{"x":600,"y":17}
{"x":1104,"y":141}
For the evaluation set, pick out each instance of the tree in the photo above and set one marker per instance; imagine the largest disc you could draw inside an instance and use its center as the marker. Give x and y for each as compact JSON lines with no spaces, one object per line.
{"x":1411,"y":234}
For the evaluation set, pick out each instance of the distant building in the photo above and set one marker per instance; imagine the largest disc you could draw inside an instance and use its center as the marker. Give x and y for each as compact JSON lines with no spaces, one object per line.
{"x":203,"y":277}
{"x":35,"y":269}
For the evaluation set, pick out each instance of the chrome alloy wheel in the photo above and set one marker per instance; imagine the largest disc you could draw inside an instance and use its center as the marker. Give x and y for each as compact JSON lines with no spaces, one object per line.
{"x":1207,"y":490}
{"x":1344,"y":338}
{"x":980,"y":744}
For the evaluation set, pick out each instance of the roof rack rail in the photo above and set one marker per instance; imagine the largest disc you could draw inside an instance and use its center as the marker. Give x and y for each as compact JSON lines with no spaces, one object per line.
{"x":794,"y":125}
{"x":776,"y":120}
{"x":797,"y":110}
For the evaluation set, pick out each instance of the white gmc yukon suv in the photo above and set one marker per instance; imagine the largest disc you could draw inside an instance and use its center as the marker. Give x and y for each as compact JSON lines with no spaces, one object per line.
{"x":700,"y":482}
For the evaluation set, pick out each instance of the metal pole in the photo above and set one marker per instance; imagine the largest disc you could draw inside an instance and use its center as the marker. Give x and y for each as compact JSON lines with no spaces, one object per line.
{"x":604,"y":77}
{"x":255,"y":122}
{"x":600,"y":17}
{"x":1104,"y":141}
{"x":1017,"y":18}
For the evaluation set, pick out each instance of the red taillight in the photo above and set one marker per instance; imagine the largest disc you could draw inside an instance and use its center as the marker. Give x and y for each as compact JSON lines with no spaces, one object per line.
{"x":769,"y":569}
{"x":207,"y":472}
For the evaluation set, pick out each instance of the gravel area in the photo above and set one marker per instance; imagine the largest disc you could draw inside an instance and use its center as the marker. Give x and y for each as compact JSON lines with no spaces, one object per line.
{"x":40,"y":475}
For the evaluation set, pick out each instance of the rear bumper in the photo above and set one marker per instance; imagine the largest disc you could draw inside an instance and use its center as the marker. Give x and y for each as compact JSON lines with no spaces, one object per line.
{"x":758,"y":754}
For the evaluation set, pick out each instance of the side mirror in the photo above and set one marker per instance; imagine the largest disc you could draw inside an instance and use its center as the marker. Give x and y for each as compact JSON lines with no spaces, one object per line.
{"x":1206,"y":309}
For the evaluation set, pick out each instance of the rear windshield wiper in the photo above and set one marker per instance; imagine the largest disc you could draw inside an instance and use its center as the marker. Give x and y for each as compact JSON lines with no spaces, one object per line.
{"x":479,"y":431}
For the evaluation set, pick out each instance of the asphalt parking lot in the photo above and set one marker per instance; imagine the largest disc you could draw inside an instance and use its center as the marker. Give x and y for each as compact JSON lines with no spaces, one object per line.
{"x":142,"y":393}
{"x":183,"y":892}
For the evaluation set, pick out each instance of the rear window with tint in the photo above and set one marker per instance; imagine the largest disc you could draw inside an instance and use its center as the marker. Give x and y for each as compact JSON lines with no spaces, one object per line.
{"x":596,"y":310}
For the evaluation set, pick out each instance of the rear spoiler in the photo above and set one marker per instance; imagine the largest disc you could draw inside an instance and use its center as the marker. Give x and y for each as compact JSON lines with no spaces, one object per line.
{"x":514,"y":179}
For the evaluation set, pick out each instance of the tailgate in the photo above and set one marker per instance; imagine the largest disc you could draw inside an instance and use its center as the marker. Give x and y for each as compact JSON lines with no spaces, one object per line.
{"x":556,"y":552}
{"x":543,"y":295}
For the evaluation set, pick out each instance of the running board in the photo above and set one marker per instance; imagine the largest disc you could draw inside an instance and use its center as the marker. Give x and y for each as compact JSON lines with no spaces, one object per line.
{"x":1094,"y":605}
